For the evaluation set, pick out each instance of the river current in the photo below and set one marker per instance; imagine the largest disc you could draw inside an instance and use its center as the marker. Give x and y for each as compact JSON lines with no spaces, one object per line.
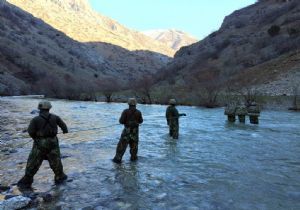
{"x":213,"y":164}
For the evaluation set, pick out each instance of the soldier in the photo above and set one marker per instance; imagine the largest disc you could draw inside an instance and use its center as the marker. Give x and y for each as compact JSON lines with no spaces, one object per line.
{"x":241,"y":112}
{"x":230,"y":110}
{"x":131,"y":118}
{"x":43,"y":131}
{"x":253,"y":112}
{"x":172,"y":116}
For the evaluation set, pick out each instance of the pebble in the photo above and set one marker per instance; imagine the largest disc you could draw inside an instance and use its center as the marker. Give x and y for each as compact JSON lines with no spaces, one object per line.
{"x":161,"y":196}
{"x":13,"y":151}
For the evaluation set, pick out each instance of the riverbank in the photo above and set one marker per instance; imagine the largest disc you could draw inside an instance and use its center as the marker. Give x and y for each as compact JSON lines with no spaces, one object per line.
{"x":267,"y":102}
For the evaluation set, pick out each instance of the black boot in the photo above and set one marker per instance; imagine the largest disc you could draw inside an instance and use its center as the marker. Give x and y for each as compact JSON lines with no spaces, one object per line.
{"x":60,"y":179}
{"x":25,"y":182}
{"x":116,"y":160}
{"x":133,"y":158}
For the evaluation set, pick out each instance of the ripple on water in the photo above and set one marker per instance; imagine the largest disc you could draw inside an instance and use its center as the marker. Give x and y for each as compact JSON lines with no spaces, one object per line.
{"x":214,"y":165}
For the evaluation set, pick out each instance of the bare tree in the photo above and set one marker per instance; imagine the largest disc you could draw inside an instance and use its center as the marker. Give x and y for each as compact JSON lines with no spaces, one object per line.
{"x":108,"y":87}
{"x":296,"y":93}
{"x":207,"y":86}
{"x":142,"y":89}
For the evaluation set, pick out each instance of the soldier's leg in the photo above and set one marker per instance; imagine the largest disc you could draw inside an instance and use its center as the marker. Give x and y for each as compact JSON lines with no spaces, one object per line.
{"x":56,"y":165}
{"x":121,"y":148}
{"x":176,"y":132}
{"x":34,"y":162}
{"x":170,"y":131}
{"x":242,"y":118}
{"x":133,"y":149}
{"x":175,"y":129}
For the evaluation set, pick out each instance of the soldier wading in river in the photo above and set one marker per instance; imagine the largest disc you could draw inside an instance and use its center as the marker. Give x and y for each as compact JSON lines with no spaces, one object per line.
{"x":43,"y":130}
{"x":131,"y":118}
{"x":172,"y":116}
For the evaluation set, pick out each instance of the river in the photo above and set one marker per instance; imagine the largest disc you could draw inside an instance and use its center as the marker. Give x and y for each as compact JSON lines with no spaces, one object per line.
{"x":213,"y":165}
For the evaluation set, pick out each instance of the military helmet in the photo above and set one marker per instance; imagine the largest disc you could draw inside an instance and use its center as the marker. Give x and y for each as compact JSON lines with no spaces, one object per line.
{"x":172,"y":101}
{"x":132,"y":102}
{"x":44,"y":105}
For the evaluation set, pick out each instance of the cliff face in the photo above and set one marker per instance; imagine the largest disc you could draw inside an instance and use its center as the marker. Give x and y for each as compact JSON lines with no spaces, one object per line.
{"x":255,"y":46}
{"x":173,"y":38}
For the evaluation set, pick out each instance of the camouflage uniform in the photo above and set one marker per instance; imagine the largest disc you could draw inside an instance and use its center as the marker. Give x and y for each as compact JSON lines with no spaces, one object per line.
{"x":241,"y":112}
{"x":131,"y":119}
{"x":230,"y":110}
{"x":43,"y":130}
{"x":172,"y":116}
{"x":253,"y":112}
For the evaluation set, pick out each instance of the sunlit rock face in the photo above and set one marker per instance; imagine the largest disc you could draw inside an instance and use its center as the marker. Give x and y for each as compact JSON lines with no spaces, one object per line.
{"x":172,"y":37}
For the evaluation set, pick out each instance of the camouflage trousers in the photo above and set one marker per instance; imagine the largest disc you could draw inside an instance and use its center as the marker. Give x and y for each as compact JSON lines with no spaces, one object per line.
{"x":131,"y":137}
{"x":45,"y":149}
{"x":174,"y":129}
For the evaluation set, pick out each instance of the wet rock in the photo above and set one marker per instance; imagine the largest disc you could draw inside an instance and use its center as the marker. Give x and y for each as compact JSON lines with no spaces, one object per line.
{"x":124,"y":205}
{"x":13,"y":151}
{"x":87,"y":208}
{"x":47,"y":197}
{"x":15,"y":203}
{"x":65,"y":156}
{"x":9,"y":197}
{"x":5,"y":150}
{"x":15,"y":191}
{"x":35,"y":111}
{"x":4,"y":188}
{"x":161,"y":196}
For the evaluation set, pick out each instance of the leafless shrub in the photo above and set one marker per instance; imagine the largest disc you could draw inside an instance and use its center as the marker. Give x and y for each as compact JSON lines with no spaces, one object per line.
{"x":142,"y":89}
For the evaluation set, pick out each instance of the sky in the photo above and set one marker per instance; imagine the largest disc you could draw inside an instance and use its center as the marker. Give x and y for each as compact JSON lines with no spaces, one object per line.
{"x":196,"y":17}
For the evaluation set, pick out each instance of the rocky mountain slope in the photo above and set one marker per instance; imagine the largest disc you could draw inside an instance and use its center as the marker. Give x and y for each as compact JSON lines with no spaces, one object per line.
{"x":173,"y":38}
{"x":79,"y":21}
{"x":131,"y":52}
{"x":257,"y":46}
{"x":79,"y":47}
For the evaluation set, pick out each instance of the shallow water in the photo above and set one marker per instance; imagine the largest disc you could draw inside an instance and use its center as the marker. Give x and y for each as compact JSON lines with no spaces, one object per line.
{"x":213,"y":165}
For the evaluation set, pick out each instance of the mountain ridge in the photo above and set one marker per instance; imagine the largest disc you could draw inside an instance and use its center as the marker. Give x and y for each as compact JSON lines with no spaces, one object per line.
{"x":172,"y":37}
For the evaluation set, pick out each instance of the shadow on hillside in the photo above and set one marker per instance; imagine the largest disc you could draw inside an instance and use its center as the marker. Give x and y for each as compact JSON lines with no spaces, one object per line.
{"x":32,"y":51}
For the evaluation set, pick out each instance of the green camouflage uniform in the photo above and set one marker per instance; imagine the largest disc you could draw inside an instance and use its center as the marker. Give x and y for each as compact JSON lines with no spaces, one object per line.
{"x":131,"y":119}
{"x":43,"y":130}
{"x":172,"y":116}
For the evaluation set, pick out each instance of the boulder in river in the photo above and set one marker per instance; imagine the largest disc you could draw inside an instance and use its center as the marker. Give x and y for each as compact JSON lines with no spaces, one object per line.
{"x":15,"y":203}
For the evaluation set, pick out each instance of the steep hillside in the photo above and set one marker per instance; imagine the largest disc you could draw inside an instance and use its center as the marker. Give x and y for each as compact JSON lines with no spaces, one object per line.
{"x":173,"y":38}
{"x":33,"y":51}
{"x":257,"y":46}
{"x":130,"y":53}
{"x":79,"y":21}
{"x":34,"y":57}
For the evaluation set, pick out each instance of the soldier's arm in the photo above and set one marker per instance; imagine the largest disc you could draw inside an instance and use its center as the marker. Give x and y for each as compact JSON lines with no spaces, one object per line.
{"x":61,"y":124}
{"x":32,"y":129}
{"x":168,"y":115}
{"x":141,"y":120}
{"x":182,"y":114}
{"x":122,"y":119}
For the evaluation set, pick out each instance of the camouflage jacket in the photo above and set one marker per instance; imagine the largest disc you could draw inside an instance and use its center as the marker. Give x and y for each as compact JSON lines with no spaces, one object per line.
{"x":172,"y":114}
{"x":45,"y":125}
{"x":131,"y":118}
